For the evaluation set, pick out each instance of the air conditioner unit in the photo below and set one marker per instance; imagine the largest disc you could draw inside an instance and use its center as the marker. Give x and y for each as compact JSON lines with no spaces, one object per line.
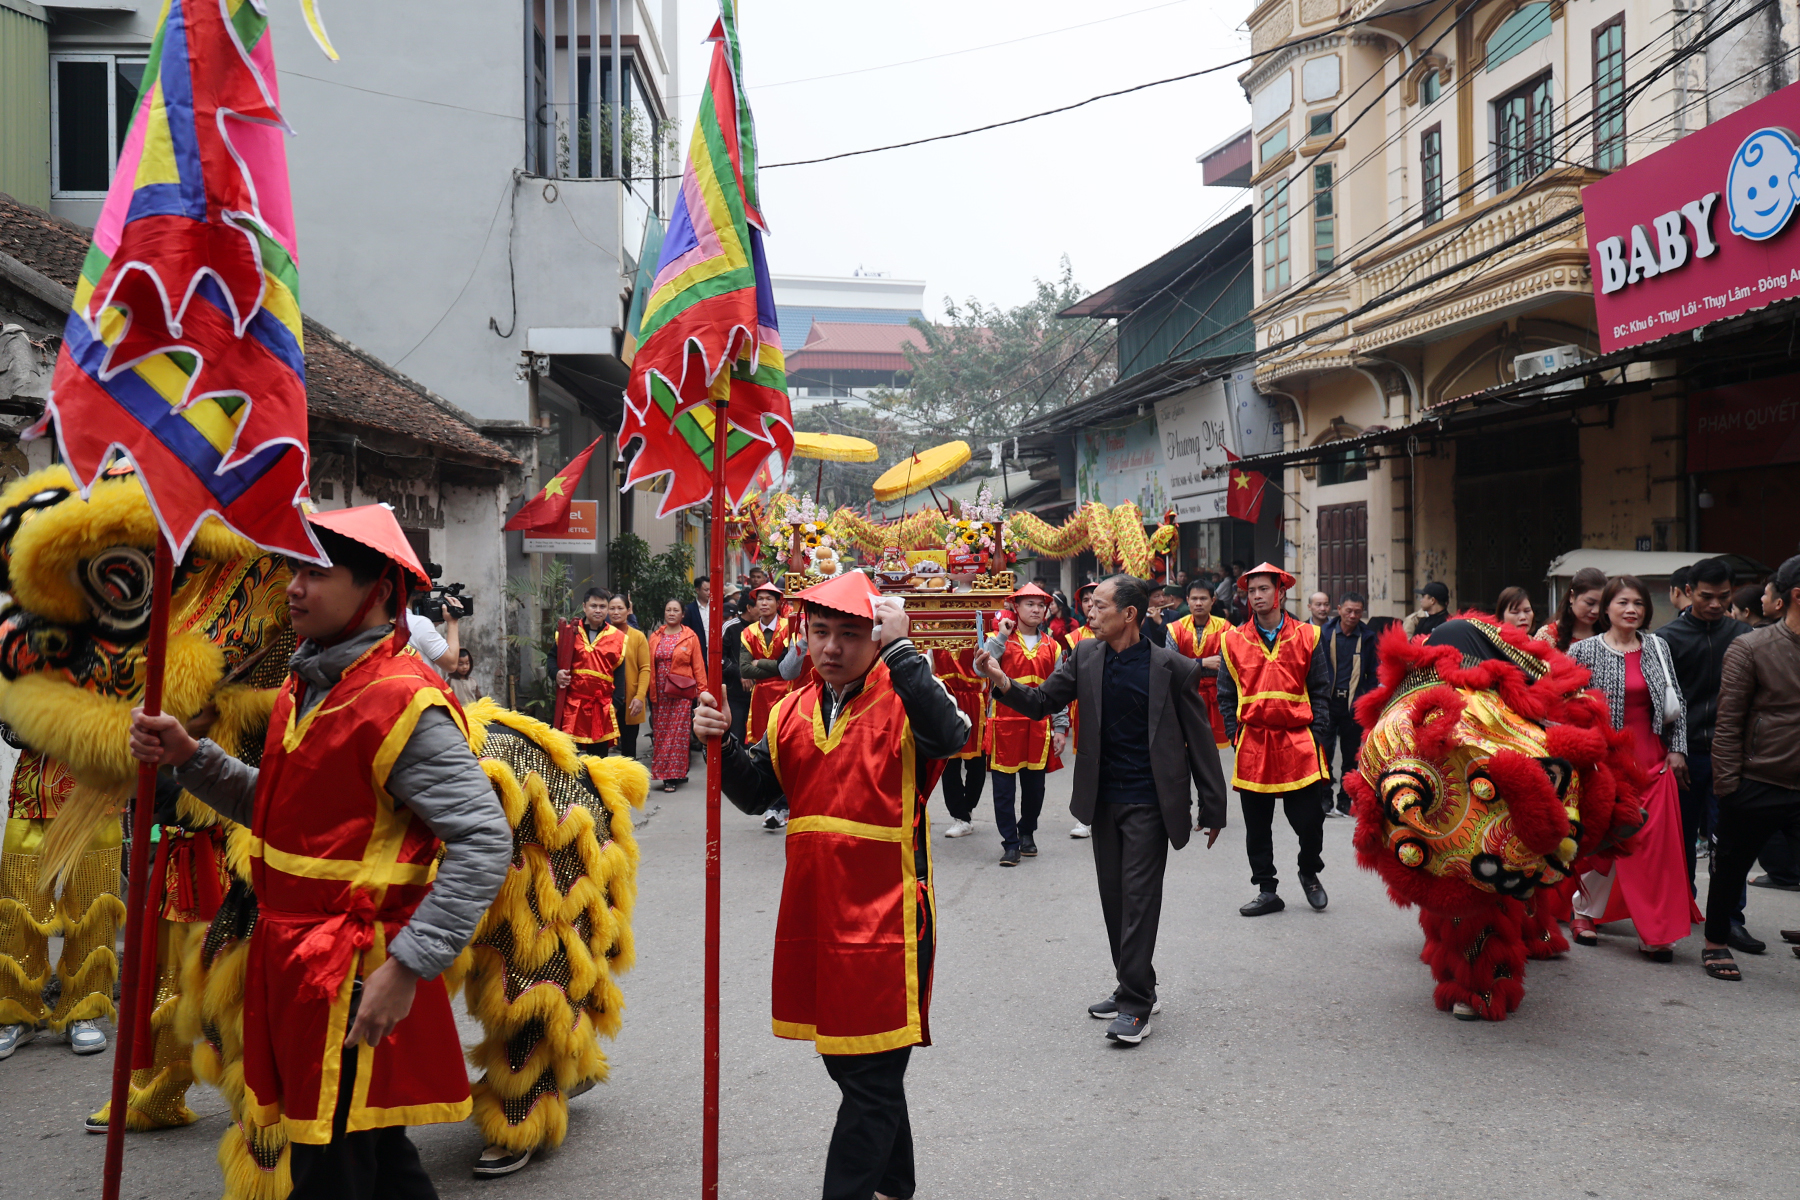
{"x":1546,"y":362}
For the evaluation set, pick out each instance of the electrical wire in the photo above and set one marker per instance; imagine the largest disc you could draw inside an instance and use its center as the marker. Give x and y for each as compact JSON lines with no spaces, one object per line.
{"x":492,"y":221}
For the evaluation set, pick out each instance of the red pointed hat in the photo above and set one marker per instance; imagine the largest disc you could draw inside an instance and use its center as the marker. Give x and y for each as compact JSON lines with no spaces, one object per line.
{"x":768,"y":587}
{"x":375,"y":527}
{"x":1030,"y":591}
{"x":1282,"y":579}
{"x":849,"y":592}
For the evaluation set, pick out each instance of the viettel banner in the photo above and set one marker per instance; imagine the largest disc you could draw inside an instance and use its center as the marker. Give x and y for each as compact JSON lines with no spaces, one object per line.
{"x":1701,"y":230}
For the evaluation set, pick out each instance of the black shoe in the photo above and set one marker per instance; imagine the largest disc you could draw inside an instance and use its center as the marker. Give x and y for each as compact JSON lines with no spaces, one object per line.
{"x":1315,"y":892}
{"x":496,"y":1161}
{"x":1108,"y":1008}
{"x":1741,"y":939}
{"x":1010,"y":858}
{"x":1769,"y":881}
{"x":1265,"y":902}
{"x":1027,"y":847}
{"x":1128,"y":1029}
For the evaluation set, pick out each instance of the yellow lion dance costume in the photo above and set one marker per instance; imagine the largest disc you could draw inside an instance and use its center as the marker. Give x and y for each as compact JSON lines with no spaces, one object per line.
{"x":541,"y":972}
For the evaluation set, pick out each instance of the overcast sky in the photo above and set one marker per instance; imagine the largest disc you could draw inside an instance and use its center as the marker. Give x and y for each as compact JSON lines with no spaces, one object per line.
{"x":1111,"y":185}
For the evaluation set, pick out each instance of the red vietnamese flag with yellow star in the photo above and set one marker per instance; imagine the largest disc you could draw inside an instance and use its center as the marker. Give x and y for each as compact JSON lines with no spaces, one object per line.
{"x":549,"y":509}
{"x":1244,"y":492}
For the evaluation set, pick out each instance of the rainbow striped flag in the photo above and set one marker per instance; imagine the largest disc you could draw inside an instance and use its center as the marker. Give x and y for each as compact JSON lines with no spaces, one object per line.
{"x":183,"y":349}
{"x":709,"y":324}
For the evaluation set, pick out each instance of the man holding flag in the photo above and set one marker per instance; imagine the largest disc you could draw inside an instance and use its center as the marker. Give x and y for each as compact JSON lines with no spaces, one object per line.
{"x":707,"y":405}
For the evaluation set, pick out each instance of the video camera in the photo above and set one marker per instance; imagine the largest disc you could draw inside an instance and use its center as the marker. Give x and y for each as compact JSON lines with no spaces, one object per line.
{"x":430,"y":603}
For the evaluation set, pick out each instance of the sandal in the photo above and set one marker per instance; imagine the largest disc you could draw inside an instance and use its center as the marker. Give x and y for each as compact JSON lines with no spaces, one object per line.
{"x":1583,"y":929}
{"x":1661,"y":954}
{"x":668,"y":786}
{"x":1719,"y":965}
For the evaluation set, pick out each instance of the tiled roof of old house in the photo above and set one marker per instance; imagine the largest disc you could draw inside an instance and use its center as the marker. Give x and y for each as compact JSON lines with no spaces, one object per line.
{"x":344,"y":384}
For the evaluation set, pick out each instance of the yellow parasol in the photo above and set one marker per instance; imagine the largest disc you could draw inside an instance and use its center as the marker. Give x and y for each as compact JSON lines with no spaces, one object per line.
{"x":834,"y":447}
{"x":921,"y":470}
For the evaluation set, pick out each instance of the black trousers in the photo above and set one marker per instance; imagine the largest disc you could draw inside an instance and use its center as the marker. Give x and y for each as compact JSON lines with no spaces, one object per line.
{"x":1345,"y":740}
{"x":1131,"y":848}
{"x":1746,"y":821}
{"x":1305,"y":812}
{"x":963,"y":778}
{"x":371,"y":1164}
{"x":1017,"y":826}
{"x":627,"y":743}
{"x":871,"y":1147}
{"x":740,"y":710}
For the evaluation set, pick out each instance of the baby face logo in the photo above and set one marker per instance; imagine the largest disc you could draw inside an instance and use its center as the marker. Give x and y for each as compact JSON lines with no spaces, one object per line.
{"x":1764,"y":185}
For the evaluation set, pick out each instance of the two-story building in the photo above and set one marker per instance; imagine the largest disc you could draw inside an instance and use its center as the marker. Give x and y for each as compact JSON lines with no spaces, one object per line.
{"x":1416,"y":176}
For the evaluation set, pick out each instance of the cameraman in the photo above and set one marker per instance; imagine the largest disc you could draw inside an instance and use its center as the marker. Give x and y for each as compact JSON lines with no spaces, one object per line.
{"x":443,"y":651}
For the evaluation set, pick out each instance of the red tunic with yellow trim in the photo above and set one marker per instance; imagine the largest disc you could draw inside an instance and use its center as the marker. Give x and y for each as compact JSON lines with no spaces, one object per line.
{"x":1198,"y":644}
{"x":765,"y":692}
{"x":1016,"y":742}
{"x":969,"y":689}
{"x":588,"y":714}
{"x":1075,"y":639}
{"x":338,"y":871}
{"x":1275,"y":747}
{"x":858,"y":922}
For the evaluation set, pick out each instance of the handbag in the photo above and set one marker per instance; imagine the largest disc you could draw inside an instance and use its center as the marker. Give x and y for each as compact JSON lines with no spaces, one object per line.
{"x":680,"y":687}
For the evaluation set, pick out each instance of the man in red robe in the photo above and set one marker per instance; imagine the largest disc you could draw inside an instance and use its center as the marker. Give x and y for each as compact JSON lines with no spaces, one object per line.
{"x":1275,"y":699}
{"x":767,"y":636}
{"x":1019,"y":746}
{"x":588,"y":654}
{"x":854,"y":751}
{"x":1198,"y":636}
{"x":366,"y":776}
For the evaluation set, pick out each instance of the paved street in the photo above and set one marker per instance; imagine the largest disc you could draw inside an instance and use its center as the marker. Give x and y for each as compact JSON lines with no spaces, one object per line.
{"x":1297,"y":1055}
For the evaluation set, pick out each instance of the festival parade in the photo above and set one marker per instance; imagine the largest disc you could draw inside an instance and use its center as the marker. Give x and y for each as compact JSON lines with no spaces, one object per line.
{"x":604,"y":599}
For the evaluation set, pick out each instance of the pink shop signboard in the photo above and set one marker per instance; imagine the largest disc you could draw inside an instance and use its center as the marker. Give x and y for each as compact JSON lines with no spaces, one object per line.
{"x":1701,"y":230}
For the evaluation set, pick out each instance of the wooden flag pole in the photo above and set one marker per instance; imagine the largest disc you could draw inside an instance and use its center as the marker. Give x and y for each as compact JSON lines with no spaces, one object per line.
{"x":134,"y":991}
{"x":715,"y":642}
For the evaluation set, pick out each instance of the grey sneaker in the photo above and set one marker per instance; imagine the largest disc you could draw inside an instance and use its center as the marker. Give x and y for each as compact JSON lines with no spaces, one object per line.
{"x":14,"y":1036}
{"x":86,"y":1037}
{"x":1108,"y":1008}
{"x":1128,"y":1029}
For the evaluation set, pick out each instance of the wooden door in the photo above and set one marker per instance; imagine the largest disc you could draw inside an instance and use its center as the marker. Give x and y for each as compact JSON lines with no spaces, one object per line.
{"x":1344,"y":549}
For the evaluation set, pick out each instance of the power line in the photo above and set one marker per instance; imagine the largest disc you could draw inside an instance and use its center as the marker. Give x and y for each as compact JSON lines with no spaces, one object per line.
{"x":1049,"y":112}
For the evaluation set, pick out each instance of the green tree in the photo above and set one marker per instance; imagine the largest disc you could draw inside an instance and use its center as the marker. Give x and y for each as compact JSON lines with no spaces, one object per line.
{"x":650,"y":580}
{"x":987,"y":370}
{"x":549,"y":597}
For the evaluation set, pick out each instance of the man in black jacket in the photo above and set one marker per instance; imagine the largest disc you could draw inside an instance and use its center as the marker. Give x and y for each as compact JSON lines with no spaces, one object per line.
{"x":698,"y":610}
{"x":1146,"y":746}
{"x":1697,"y":639}
{"x":1349,"y":648}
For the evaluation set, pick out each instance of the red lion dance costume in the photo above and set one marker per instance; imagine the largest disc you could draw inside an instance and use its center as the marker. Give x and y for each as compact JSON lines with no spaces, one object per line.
{"x":1486,"y":773}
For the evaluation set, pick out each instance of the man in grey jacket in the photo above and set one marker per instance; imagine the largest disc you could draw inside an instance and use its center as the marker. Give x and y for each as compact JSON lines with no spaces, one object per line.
{"x":1146,"y":748}
{"x":342,"y":613}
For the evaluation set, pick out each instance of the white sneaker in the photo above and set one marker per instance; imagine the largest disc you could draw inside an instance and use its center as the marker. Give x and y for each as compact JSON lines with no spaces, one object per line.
{"x":776,"y":820}
{"x":958,"y":829}
{"x":14,"y":1036}
{"x":86,"y":1037}
{"x":1081,"y":831}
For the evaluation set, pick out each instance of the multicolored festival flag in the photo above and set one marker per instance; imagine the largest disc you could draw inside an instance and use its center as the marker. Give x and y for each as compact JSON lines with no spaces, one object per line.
{"x":183,"y":349}
{"x":709,"y":324}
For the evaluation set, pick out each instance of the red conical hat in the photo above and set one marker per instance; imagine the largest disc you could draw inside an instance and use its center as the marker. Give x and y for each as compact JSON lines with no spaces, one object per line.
{"x":849,"y":592}
{"x":1030,"y":591}
{"x":1283,"y":580}
{"x":768,"y":587}
{"x":374,"y":526}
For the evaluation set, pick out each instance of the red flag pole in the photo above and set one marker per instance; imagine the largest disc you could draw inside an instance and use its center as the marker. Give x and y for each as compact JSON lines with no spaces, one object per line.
{"x":715,"y":644}
{"x":134,"y":991}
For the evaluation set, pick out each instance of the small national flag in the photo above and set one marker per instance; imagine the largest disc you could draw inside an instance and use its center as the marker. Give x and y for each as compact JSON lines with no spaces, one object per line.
{"x":1243,"y":492}
{"x":709,"y":323}
{"x":549,"y":509}
{"x":183,"y":349}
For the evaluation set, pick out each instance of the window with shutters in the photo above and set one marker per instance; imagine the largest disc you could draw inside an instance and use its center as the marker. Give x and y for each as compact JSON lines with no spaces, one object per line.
{"x":1609,"y":94}
{"x":1524,"y":121}
{"x":1431,"y":174}
{"x":1275,"y":238}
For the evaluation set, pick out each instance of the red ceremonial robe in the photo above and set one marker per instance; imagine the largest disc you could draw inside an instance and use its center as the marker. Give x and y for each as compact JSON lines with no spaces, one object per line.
{"x":969,"y":689}
{"x":338,"y":869}
{"x":1075,"y":639}
{"x":765,"y":692}
{"x":588,"y":714}
{"x":1198,"y":644}
{"x":858,"y":922}
{"x":1015,"y":742}
{"x":1275,"y":747}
